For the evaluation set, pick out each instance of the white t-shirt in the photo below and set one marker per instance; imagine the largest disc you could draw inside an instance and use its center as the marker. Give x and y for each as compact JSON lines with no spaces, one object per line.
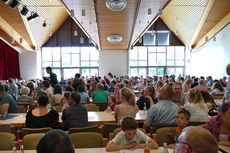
{"x":120,"y":138}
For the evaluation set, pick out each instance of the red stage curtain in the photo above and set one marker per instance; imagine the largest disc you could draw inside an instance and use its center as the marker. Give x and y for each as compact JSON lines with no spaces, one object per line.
{"x":9,"y":62}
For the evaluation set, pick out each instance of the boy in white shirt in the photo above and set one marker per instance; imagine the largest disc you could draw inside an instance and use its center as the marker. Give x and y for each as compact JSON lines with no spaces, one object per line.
{"x":130,"y":137}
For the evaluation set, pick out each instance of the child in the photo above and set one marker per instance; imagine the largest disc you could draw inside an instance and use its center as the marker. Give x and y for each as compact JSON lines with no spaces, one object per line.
{"x":65,"y":100}
{"x":182,"y":121}
{"x":130,"y":137}
{"x":111,"y":102}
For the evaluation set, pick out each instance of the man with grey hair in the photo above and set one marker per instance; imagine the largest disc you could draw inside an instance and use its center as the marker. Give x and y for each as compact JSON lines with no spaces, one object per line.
{"x":197,"y":140}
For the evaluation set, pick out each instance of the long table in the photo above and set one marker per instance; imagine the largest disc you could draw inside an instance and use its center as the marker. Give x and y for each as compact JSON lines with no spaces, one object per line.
{"x":97,"y":150}
{"x":93,"y":118}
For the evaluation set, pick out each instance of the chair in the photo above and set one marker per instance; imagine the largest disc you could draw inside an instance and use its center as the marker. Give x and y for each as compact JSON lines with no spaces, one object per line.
{"x":5,"y":128}
{"x":6,"y":140}
{"x":108,"y":128}
{"x":117,"y":130}
{"x":26,"y":131}
{"x":92,"y":107}
{"x":21,"y":109}
{"x":196,"y":123}
{"x":153,"y":129}
{"x":94,"y":128}
{"x":218,"y":96}
{"x":162,"y":135}
{"x":31,"y":141}
{"x":88,"y":140}
{"x":58,"y":108}
{"x":102,"y":105}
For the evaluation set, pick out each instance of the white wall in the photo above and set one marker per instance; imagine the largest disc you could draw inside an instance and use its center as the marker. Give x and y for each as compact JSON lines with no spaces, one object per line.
{"x":114,"y":61}
{"x":29,"y":64}
{"x":212,"y":58}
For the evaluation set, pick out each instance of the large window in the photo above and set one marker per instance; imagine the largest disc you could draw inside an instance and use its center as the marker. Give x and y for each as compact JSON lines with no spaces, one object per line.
{"x":160,"y":60}
{"x":67,"y":61}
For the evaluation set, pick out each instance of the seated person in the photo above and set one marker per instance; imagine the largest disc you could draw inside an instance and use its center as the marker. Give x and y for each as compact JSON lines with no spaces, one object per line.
{"x":165,"y":111}
{"x":55,"y":141}
{"x":149,"y":98}
{"x":111,"y":103}
{"x":219,"y":125}
{"x":24,"y":95}
{"x":179,"y":97}
{"x":76,"y":115}
{"x":100,"y":95}
{"x":83,"y":94}
{"x":195,"y":139}
{"x":7,"y":103}
{"x":42,"y":116}
{"x":196,"y":106}
{"x":130,"y":137}
{"x":128,"y":106}
{"x":182,"y":121}
{"x":211,"y":109}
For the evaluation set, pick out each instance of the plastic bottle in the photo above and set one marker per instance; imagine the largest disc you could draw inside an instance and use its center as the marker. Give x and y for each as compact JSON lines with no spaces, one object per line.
{"x":144,"y":106}
{"x":146,"y":149}
{"x":14,"y":150}
{"x":28,"y":108}
{"x":165,"y":149}
{"x":21,"y":149}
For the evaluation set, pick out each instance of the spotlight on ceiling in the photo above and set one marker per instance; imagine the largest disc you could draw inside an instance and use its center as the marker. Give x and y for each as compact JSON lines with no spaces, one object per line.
{"x":14,"y":4}
{"x":24,"y":10}
{"x":6,"y":1}
{"x":114,"y":39}
{"x":32,"y":16}
{"x":44,"y":24}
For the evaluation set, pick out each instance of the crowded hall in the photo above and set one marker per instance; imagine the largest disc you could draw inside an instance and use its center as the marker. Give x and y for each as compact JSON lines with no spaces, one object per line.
{"x":119,"y":76}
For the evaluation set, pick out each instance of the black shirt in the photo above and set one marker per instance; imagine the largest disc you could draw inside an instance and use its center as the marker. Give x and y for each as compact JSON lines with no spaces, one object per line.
{"x":53,"y":79}
{"x":142,"y":100}
{"x":51,"y":119}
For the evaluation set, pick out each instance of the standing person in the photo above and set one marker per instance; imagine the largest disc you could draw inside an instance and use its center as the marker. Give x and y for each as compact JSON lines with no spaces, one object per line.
{"x":227,"y":89}
{"x":7,"y":103}
{"x":53,"y":76}
{"x":76,"y":82}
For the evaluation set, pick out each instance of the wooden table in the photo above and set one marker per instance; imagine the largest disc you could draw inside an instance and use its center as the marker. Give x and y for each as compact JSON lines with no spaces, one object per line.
{"x":95,"y":150}
{"x":93,"y":118}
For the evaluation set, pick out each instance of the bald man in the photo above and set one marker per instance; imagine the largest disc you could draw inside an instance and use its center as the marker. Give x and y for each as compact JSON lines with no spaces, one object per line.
{"x":227,"y":89}
{"x":195,"y":139}
{"x":165,"y":111}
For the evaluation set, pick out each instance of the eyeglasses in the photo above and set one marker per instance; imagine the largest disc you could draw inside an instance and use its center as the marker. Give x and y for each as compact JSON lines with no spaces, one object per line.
{"x":189,"y":147}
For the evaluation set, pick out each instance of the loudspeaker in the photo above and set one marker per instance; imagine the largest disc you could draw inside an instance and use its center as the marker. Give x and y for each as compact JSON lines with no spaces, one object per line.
{"x":14,"y":4}
{"x":6,"y":1}
{"x":24,"y":10}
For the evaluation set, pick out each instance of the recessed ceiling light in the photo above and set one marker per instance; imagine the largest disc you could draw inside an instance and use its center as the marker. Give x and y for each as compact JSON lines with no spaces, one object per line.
{"x":114,"y":39}
{"x":116,"y":5}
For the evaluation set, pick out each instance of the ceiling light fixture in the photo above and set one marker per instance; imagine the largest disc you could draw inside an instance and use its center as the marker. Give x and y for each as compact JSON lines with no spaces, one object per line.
{"x":214,"y":38}
{"x":44,"y":24}
{"x":149,"y":10}
{"x":32,"y":16}
{"x":83,"y":10}
{"x":206,"y":39}
{"x":114,"y":39}
{"x":24,"y":10}
{"x":14,"y":4}
{"x":21,"y":40}
{"x":116,"y":5}
{"x":160,"y":12}
{"x":72,"y":10}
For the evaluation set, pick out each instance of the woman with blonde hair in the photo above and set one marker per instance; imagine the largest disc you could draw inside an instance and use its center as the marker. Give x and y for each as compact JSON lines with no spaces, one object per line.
{"x":128,"y":106}
{"x":196,"y":106}
{"x":148,"y":98}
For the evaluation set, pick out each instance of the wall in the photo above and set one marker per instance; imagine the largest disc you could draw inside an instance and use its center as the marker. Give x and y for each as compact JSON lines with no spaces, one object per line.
{"x":212,"y":58}
{"x":114,"y":61}
{"x":29,"y":64}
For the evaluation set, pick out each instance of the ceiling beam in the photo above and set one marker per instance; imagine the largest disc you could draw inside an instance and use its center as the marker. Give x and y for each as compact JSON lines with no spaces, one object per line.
{"x":202,"y":21}
{"x":135,"y":23}
{"x":14,"y":34}
{"x":218,"y":27}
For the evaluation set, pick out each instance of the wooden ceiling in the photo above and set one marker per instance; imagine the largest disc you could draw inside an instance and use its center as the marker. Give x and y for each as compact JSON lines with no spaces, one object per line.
{"x":190,"y":20}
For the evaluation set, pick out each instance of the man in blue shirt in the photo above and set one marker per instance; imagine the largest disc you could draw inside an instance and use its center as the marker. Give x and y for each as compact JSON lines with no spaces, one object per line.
{"x":165,"y":111}
{"x":8,"y":104}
